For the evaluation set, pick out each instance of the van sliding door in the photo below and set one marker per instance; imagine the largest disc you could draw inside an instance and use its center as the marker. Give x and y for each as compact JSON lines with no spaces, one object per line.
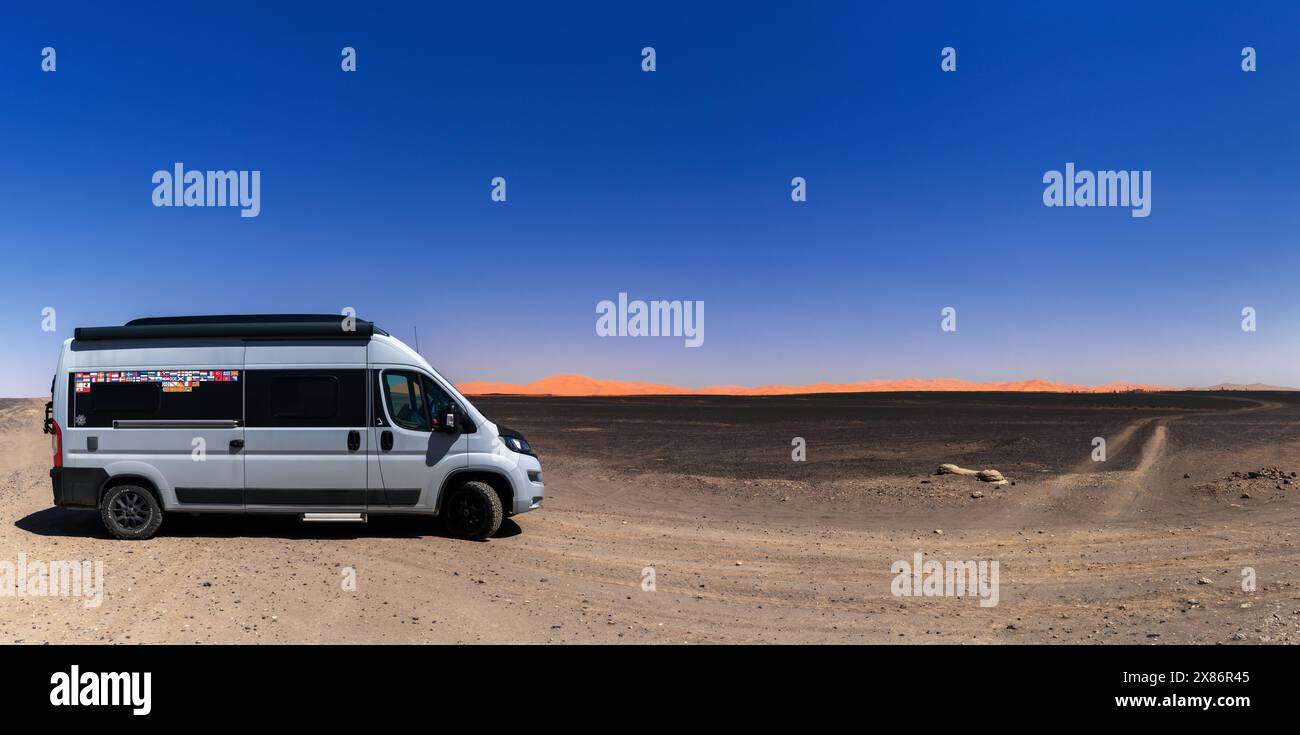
{"x":306,"y":439}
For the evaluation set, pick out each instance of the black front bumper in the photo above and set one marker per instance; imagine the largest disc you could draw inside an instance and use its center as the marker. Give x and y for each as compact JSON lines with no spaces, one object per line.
{"x":77,"y":487}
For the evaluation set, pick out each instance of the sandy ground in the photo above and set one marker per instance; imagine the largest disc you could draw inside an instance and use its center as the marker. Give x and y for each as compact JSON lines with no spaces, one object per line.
{"x":746,"y":545}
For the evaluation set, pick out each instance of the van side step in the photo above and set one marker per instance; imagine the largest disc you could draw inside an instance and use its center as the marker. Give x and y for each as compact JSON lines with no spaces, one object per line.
{"x":333,"y":517}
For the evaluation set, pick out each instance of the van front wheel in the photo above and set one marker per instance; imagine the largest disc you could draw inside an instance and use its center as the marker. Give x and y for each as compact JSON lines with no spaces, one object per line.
{"x":473,"y":511}
{"x":130,"y":512}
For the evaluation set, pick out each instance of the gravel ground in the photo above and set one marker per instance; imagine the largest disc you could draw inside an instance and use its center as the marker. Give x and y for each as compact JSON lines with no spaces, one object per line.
{"x":745,"y":544}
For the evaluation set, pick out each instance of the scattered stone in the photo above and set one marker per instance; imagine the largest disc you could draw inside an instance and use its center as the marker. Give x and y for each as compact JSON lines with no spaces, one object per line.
{"x":1204,"y":580}
{"x":977,"y":494}
{"x":1265,"y":473}
{"x":992,"y":476}
{"x":952,"y":469}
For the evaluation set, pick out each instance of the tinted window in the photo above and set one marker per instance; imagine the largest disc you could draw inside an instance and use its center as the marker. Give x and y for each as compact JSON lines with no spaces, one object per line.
{"x":306,"y":398}
{"x":405,"y":397}
{"x":100,"y":398}
{"x":122,"y":399}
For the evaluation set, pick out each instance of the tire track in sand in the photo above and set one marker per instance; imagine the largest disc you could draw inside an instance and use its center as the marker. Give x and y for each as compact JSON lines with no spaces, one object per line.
{"x":1124,"y":492}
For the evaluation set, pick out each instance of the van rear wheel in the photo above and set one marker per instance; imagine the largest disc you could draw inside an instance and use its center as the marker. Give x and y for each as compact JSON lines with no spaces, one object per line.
{"x":130,"y":512}
{"x":473,"y":511}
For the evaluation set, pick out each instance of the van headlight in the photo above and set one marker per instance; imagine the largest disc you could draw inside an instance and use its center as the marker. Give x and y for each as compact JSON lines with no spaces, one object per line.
{"x":514,"y":441}
{"x":518,"y":444}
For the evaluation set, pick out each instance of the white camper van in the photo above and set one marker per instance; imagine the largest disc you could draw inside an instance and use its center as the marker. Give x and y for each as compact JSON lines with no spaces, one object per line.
{"x":321,"y":416}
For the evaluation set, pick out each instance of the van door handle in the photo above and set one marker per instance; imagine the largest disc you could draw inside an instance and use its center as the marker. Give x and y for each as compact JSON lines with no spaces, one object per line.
{"x":236,"y":444}
{"x":386,"y":440}
{"x":354,"y":441}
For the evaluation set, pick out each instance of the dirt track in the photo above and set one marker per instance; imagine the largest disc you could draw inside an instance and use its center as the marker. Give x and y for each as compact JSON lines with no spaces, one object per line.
{"x":746,"y":545}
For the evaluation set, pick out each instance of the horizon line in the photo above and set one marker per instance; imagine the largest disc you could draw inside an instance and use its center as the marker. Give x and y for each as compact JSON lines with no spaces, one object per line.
{"x":577,"y":385}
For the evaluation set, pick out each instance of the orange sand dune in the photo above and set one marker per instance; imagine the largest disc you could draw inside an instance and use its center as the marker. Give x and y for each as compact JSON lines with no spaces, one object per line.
{"x":581,"y":385}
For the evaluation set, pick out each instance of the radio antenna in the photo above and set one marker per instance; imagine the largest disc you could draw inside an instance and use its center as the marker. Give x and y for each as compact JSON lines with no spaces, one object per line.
{"x":417,"y":339}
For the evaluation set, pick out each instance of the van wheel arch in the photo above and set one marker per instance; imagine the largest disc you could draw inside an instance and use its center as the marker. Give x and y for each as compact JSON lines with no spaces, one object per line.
{"x":496,"y":480}
{"x":116,"y":480}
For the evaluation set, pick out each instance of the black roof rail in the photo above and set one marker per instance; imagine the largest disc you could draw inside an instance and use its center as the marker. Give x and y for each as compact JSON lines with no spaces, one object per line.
{"x":236,"y":319}
{"x":256,"y":326}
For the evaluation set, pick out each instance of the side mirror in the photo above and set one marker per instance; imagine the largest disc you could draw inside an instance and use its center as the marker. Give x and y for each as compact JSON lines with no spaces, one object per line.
{"x":449,"y":420}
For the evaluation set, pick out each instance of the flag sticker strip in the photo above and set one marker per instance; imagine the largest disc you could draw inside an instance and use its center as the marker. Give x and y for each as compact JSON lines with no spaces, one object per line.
{"x":173,"y":381}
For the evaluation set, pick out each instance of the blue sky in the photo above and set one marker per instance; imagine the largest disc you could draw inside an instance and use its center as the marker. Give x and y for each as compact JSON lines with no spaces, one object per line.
{"x":924,"y":188}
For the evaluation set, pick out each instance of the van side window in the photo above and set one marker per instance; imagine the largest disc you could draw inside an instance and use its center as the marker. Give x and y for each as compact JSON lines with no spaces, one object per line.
{"x":439,"y":401}
{"x":100,"y":397}
{"x":124,"y":400}
{"x":405,"y":398}
{"x":306,"y":398}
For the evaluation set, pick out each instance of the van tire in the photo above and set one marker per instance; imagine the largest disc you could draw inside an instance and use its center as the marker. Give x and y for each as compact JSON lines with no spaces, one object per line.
{"x":130,"y":512}
{"x":472,"y":511}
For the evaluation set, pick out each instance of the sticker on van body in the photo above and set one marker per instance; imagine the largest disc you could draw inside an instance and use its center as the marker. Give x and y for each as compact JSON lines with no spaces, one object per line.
{"x":173,"y":381}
